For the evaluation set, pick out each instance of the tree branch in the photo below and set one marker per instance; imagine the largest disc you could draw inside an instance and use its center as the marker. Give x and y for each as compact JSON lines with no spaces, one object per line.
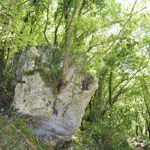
{"x":110,"y":88}
{"x":119,"y":21}
{"x":98,"y":44}
{"x":131,"y":14}
{"x":65,"y":68}
{"x":83,"y":5}
{"x":45,"y":36}
{"x":96,"y":53}
{"x":119,"y":84}
{"x":56,"y":29}
{"x":67,"y":42}
{"x":121,"y":89}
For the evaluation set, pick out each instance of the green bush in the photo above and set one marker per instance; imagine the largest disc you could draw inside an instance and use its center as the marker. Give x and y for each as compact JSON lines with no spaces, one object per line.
{"x":100,"y":136}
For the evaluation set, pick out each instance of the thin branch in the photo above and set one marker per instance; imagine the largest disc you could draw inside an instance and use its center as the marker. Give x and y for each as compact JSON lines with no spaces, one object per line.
{"x":121,"y":89}
{"x":83,"y":5}
{"x":119,"y":83}
{"x":110,"y":88}
{"x":45,"y":36}
{"x":56,"y":29}
{"x":84,"y":33}
{"x":98,"y":44}
{"x":139,"y":11}
{"x":37,"y":30}
{"x":86,"y":11}
{"x":93,"y":46}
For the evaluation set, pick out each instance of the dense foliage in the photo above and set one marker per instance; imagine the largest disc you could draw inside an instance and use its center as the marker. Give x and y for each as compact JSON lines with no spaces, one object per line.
{"x":106,"y":38}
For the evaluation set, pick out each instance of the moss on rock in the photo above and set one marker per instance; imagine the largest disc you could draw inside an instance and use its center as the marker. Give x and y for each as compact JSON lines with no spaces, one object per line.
{"x":44,"y":75}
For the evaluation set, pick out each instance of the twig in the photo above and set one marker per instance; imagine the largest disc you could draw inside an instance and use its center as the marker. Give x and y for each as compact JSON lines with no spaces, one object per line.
{"x":98,"y":44}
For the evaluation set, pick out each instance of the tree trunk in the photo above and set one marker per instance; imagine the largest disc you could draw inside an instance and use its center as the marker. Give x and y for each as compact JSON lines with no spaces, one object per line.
{"x":67,"y":43}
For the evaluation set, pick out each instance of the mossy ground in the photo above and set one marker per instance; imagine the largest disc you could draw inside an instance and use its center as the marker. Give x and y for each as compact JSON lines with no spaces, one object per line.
{"x":16,"y":135}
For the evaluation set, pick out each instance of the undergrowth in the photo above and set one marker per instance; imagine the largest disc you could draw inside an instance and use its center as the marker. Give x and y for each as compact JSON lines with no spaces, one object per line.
{"x":92,"y":136}
{"x":16,"y":135}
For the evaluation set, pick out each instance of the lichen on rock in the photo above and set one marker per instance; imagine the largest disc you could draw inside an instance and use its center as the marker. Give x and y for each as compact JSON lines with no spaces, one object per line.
{"x":60,"y":114}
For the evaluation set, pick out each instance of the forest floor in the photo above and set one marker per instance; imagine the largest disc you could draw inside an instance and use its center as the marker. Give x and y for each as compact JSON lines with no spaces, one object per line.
{"x":15,"y":135}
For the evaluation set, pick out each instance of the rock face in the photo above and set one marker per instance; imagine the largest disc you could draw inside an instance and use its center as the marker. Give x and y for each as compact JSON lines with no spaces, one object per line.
{"x":58,"y":116}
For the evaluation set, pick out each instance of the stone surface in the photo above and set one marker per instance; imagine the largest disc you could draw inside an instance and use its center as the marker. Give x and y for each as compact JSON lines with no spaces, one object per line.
{"x":34,"y":96}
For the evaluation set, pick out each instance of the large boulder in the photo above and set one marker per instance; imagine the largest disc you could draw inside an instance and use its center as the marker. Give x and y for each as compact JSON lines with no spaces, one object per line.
{"x":57,"y":116}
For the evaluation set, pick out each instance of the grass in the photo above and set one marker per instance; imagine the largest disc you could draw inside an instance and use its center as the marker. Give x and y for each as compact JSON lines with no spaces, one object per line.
{"x":16,"y":135}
